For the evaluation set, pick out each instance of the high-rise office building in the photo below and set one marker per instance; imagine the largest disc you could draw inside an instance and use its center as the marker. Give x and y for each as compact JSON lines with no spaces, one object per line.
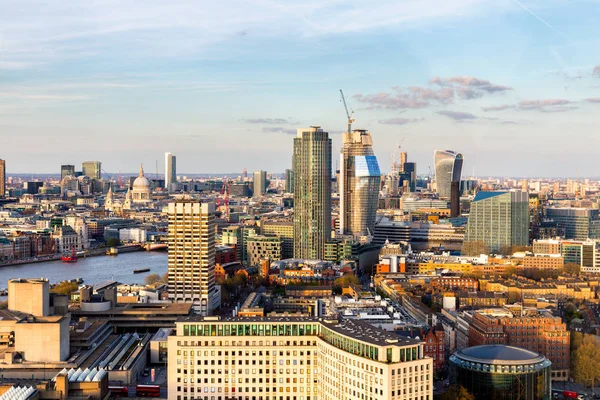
{"x":578,"y":223}
{"x":289,"y":181}
{"x":294,"y":358}
{"x":192,"y":255}
{"x":2,"y":178}
{"x":93,"y":169}
{"x":448,"y":168}
{"x":499,"y":219}
{"x":170,"y":170}
{"x":403,"y":160}
{"x":66,"y":170}
{"x":408,"y":176}
{"x":312,"y":192}
{"x":260,"y":183}
{"x":359,"y":183}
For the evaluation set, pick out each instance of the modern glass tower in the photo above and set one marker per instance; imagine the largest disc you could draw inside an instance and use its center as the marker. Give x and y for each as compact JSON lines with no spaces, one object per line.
{"x":92,"y":169}
{"x":2,"y":178}
{"x":499,"y":219}
{"x":192,"y":255}
{"x":170,"y":170}
{"x":260,"y":183}
{"x":312,"y":192}
{"x":448,"y":168}
{"x":358,"y":184}
{"x":66,"y":170}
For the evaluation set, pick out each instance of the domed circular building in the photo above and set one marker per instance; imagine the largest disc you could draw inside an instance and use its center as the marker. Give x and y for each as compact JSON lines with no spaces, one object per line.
{"x":502,"y":372}
{"x":142,"y":189}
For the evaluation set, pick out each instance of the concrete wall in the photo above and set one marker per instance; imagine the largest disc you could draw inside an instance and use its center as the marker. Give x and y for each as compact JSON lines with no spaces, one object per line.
{"x":43,"y":341}
{"x":29,"y":296}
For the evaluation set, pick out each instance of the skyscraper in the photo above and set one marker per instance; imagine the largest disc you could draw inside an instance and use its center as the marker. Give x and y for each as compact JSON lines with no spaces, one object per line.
{"x":260,"y":183}
{"x":499,"y":219}
{"x":66,"y":170}
{"x":192,"y":255}
{"x":448,"y":168}
{"x":170,"y":170}
{"x":289,"y":181}
{"x":93,"y":169}
{"x":2,"y":178}
{"x":312,"y":192}
{"x":358,"y":184}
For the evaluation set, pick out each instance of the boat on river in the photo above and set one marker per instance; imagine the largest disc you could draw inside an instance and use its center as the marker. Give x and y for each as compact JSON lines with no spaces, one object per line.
{"x":70,"y":258}
{"x":141,"y":270}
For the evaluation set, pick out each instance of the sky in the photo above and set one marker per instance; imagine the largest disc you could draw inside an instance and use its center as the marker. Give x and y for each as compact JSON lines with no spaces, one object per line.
{"x":514,"y":85}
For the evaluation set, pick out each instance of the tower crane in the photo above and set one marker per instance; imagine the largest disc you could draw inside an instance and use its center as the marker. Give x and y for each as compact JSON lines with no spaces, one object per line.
{"x":350,"y":115}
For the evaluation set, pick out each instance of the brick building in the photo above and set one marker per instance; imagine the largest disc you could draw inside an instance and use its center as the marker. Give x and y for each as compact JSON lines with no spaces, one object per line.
{"x":543,"y":334}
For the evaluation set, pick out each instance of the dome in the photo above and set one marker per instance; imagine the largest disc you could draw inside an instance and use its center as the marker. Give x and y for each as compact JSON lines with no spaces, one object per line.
{"x":141,"y":182}
{"x":499,"y":354}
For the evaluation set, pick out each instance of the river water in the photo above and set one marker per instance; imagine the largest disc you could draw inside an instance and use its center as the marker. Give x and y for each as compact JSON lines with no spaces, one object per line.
{"x":92,"y":269}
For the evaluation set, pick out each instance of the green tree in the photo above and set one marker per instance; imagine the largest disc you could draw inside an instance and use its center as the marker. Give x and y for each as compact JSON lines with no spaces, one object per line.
{"x":457,"y":392}
{"x":345,"y":281}
{"x":585,"y":361}
{"x":65,"y":288}
{"x":113,"y":242}
{"x":152,"y":279}
{"x":474,"y":248}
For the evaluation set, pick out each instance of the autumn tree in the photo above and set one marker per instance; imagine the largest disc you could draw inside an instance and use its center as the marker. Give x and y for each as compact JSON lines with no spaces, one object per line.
{"x":65,"y":288}
{"x":572,"y":268}
{"x":474,"y":248}
{"x":152,"y":279}
{"x":457,"y":392}
{"x":585,"y":361}
{"x":344,"y":281}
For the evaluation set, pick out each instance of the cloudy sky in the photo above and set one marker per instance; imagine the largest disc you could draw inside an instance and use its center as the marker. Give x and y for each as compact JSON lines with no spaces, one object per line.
{"x":512,"y":84}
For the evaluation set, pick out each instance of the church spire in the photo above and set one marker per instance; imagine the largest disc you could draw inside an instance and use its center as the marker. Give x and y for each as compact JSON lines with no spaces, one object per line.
{"x":141,"y":169}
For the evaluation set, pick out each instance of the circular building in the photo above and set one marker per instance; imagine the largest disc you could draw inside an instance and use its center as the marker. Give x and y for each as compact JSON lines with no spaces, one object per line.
{"x":501,"y":372}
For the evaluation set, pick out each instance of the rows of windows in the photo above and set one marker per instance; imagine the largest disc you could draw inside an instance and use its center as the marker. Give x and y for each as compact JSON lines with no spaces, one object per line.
{"x":250,"y":329}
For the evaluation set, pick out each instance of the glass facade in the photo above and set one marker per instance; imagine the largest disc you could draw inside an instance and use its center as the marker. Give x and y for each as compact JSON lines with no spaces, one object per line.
{"x":506,"y":382}
{"x":448,"y":168}
{"x":359,"y":183}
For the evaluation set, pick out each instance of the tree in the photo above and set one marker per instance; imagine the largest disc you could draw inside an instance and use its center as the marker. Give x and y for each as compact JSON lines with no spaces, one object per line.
{"x":474,"y":248}
{"x":65,"y":288}
{"x":113,"y":242}
{"x":345,"y":281}
{"x":509,"y":271}
{"x":585,"y":361}
{"x":457,"y":392}
{"x":572,"y":268}
{"x":152,"y":279}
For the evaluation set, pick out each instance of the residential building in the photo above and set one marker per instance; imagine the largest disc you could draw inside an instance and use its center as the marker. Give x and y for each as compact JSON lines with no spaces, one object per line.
{"x":260,"y":246}
{"x":448,"y":168}
{"x":170,"y":170}
{"x":285,"y":231}
{"x":359,"y":184}
{"x":312,"y":192}
{"x":192,"y":255}
{"x":294,"y":358}
{"x":499,"y":219}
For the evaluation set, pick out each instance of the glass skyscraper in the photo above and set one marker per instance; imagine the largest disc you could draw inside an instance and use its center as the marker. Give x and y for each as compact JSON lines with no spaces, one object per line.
{"x":93,"y":169}
{"x":358,"y":184}
{"x":170,"y":170}
{"x":499,"y":219}
{"x":312,"y":192}
{"x":448,"y":168}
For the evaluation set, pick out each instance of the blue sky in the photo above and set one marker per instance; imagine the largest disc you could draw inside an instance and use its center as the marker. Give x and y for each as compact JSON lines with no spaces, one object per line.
{"x":512,"y":84}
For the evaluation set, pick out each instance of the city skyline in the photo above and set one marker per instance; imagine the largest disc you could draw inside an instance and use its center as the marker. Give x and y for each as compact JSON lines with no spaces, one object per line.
{"x":492,"y":80}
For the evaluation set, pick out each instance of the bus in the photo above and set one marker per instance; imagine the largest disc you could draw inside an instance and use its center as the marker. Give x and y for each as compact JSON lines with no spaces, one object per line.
{"x":147,"y":391}
{"x":118,"y":391}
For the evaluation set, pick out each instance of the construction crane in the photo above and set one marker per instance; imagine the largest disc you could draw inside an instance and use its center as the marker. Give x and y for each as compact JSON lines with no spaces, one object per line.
{"x":350,"y":115}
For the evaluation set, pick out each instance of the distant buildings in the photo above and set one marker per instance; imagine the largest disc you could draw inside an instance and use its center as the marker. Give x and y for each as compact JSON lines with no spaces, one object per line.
{"x":499,"y":219}
{"x":260,"y":183}
{"x":312,"y":192}
{"x":579,"y":223}
{"x":2,"y":178}
{"x":289,"y":181}
{"x":66,"y":170}
{"x":170,"y":170}
{"x":359,"y":183}
{"x":448,"y":168}
{"x":192,"y":255}
{"x":92,"y":169}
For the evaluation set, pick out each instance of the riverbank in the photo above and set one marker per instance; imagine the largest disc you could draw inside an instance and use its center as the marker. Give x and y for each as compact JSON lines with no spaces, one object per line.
{"x":101,"y":251}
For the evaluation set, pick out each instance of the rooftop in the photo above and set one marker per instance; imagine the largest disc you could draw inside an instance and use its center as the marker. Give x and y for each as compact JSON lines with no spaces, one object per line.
{"x":499,"y":354}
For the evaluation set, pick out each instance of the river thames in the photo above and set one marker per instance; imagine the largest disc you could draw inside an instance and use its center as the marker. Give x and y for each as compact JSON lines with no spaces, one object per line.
{"x":92,"y":269}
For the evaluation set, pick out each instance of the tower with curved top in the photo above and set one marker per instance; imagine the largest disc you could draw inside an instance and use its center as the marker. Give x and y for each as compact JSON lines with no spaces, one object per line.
{"x":448,"y":168}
